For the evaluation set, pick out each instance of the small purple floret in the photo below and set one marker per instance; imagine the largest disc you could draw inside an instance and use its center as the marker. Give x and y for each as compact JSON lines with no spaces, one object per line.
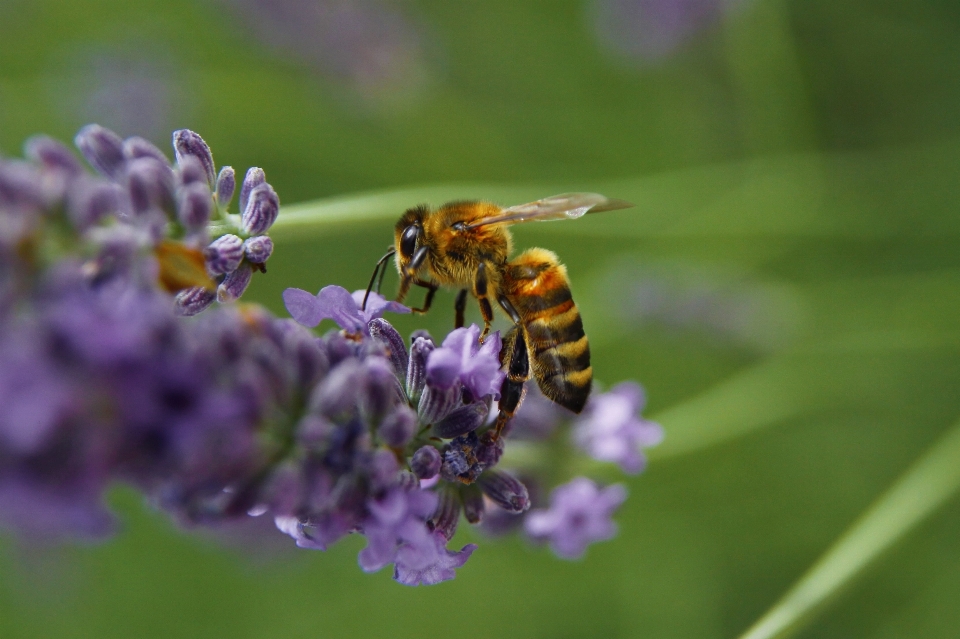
{"x":336,"y":303}
{"x":258,"y":249}
{"x":580,"y":514}
{"x":612,"y":430}
{"x":462,"y":357}
{"x":431,"y":564}
{"x":261,"y":210}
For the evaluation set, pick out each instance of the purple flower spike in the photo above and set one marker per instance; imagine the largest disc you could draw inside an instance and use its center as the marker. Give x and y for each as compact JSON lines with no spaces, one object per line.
{"x":103,"y":149}
{"x":431,"y":565}
{"x":261,"y":210}
{"x":234,"y":284}
{"x":254,"y":178}
{"x":135,"y":148}
{"x":579,"y":515}
{"x":334,"y":302}
{"x":462,"y":357}
{"x":193,"y":300}
{"x":612,"y":430}
{"x":226,"y":184}
{"x":224,"y":254}
{"x":258,"y":249}
{"x":196,"y":205}
{"x":186,"y":142}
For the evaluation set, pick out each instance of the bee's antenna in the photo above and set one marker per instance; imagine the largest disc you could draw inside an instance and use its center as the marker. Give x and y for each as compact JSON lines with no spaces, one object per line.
{"x":373,"y":278}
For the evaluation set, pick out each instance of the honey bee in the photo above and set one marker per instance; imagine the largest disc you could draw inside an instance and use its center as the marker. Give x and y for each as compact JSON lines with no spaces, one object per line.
{"x":467,"y":245}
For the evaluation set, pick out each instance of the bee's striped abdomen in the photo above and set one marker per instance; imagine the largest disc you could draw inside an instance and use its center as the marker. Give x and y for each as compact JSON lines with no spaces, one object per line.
{"x":536,"y":285}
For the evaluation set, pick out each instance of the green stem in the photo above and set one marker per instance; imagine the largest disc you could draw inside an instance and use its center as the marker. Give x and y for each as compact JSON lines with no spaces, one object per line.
{"x":926,"y":486}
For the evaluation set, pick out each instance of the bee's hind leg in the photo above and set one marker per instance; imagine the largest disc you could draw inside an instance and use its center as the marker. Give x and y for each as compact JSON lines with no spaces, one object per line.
{"x":480,"y":290}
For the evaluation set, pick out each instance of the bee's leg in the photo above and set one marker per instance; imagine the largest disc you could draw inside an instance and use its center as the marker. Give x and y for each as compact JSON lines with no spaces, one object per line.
{"x":428,"y":300}
{"x":518,"y":372}
{"x":460,"y":307}
{"x":480,"y":290}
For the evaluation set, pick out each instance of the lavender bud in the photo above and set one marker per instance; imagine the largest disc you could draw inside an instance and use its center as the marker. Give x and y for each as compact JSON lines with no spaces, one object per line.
{"x":187,"y":143}
{"x":436,"y":403}
{"x":472,"y":498}
{"x":103,"y":149}
{"x":261,"y":210}
{"x":490,"y":450}
{"x":21,"y":184}
{"x":447,"y":515}
{"x":90,"y":200}
{"x":379,"y":384}
{"x":417,"y":368}
{"x":195,"y":203}
{"x":191,"y":301}
{"x":224,"y":254}
{"x":337,"y":394}
{"x":234,"y":284}
{"x":226,"y":184}
{"x":505,"y":490}
{"x":52,"y":154}
{"x":398,"y":427}
{"x":383,"y":332}
{"x":190,"y":171}
{"x":150,"y":185}
{"x":407,"y":481}
{"x":258,"y":249}
{"x":136,"y":147}
{"x":462,"y":420}
{"x":254,"y":178}
{"x":425,"y":463}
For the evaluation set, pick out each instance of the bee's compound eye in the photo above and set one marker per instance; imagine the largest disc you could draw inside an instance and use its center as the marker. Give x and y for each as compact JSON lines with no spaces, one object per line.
{"x":408,"y":241}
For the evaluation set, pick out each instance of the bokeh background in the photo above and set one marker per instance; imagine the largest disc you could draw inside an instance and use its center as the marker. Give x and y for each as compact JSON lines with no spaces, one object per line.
{"x":787,"y":289}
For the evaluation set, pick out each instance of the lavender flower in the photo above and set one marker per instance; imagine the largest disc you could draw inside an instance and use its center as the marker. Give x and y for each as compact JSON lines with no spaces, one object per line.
{"x":236,"y":414}
{"x":579,"y":515}
{"x":611,"y":429}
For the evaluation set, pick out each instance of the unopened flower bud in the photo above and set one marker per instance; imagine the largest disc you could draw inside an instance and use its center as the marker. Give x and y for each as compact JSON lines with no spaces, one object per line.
{"x":473,"y":507}
{"x":436,"y":403}
{"x":136,"y":147}
{"x":188,"y":143}
{"x":193,"y":300}
{"x":425,"y":463}
{"x":102,"y":148}
{"x":194,"y":206}
{"x":234,"y":284}
{"x":52,"y":154}
{"x":462,"y":420}
{"x":379,"y":389}
{"x":398,"y":427}
{"x":447,"y":515}
{"x":226,"y":184}
{"x":190,"y":171}
{"x":417,"y":368}
{"x":258,"y":249}
{"x":150,"y":185}
{"x":224,"y":254}
{"x":383,"y":332}
{"x":505,"y":490}
{"x":261,"y":210}
{"x":90,"y":200}
{"x":254,"y":178}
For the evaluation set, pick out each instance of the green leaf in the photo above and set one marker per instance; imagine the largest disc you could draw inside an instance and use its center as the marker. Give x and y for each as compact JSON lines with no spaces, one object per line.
{"x":927,"y":485}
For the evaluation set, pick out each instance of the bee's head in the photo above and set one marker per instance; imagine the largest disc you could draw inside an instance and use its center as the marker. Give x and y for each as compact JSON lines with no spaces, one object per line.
{"x":408,"y":250}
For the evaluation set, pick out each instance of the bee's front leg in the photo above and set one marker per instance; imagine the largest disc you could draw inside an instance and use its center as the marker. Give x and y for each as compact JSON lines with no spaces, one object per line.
{"x":480,"y":290}
{"x":428,"y":300}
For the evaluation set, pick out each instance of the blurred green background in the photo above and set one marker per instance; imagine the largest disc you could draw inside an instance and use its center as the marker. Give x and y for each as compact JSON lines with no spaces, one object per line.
{"x":787,"y":288}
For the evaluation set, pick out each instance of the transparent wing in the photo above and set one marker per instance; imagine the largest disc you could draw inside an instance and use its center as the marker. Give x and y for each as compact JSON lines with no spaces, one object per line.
{"x":565,"y":206}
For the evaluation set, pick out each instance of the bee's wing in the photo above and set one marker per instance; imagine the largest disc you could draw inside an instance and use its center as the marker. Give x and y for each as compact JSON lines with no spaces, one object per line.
{"x":558,"y":207}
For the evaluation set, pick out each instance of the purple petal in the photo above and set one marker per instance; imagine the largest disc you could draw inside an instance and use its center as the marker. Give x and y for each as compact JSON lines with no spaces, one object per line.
{"x":337,"y":304}
{"x":304,"y":307}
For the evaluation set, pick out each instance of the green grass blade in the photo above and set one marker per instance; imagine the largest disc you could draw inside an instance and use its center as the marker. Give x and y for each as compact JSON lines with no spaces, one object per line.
{"x":932,"y":480}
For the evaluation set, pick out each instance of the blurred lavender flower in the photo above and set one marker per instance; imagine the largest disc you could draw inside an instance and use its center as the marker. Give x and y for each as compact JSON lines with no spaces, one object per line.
{"x":579,"y":514}
{"x":611,"y":430}
{"x":367,"y":44}
{"x":651,"y":30}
